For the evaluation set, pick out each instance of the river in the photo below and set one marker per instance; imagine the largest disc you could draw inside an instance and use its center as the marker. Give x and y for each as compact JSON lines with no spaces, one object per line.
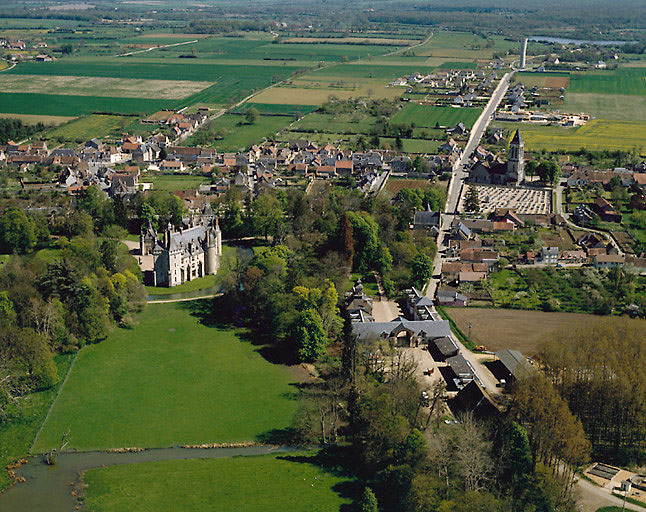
{"x":565,"y":40}
{"x":49,"y":488}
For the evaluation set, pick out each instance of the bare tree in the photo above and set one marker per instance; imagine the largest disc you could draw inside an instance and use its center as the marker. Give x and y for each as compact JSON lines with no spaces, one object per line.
{"x":473,"y":454}
{"x":440,"y":454}
{"x":435,"y":393}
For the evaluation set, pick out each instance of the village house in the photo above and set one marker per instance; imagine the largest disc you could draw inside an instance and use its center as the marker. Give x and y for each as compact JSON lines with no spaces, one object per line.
{"x":606,"y":261}
{"x":606,"y":211}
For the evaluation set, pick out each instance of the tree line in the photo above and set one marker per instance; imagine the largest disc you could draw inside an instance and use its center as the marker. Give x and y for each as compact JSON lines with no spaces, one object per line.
{"x":67,"y":281}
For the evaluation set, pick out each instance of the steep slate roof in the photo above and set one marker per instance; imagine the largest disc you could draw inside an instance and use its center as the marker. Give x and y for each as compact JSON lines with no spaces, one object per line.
{"x":428,"y":328}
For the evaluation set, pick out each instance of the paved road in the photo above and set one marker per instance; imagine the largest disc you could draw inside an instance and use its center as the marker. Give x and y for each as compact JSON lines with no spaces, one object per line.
{"x":477,"y":132}
{"x":484,"y":376}
{"x":460,"y":174}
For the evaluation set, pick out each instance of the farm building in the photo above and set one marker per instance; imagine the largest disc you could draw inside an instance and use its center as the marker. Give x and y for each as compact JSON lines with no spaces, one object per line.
{"x":462,"y":371}
{"x":402,"y":332}
{"x":474,"y":400}
{"x":451,"y":298}
{"x":444,"y":347}
{"x":511,"y":365}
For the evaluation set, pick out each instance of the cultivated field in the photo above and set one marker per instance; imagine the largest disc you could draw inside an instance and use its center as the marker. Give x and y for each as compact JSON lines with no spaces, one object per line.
{"x":85,"y":128}
{"x":35,"y":119}
{"x":298,"y":96}
{"x":170,"y":380}
{"x":607,"y":106}
{"x":290,"y":482}
{"x":598,"y":134}
{"x":99,"y":86}
{"x":275,"y":108}
{"x":621,"y":81}
{"x":428,"y":116}
{"x":551,"y":80}
{"x":72,"y":106}
{"x":394,"y":185}
{"x":511,"y":328}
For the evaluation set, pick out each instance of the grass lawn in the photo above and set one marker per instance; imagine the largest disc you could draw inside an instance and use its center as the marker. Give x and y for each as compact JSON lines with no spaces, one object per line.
{"x":172,"y":182}
{"x":18,"y":432}
{"x":286,"y":483}
{"x":367,"y":280}
{"x":428,"y":116}
{"x":170,"y":381}
{"x":201,"y":283}
{"x":85,"y":128}
{"x":413,"y":145}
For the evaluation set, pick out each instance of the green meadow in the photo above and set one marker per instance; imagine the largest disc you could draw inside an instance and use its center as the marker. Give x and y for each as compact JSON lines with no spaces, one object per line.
{"x":413,"y":145}
{"x":17,"y":434}
{"x":289,"y":482}
{"x":428,"y":116}
{"x":171,"y":380}
{"x":238,"y":134}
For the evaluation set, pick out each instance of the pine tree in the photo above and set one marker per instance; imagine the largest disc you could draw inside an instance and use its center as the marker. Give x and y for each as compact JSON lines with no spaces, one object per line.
{"x":368,"y":501}
{"x":472,"y":201}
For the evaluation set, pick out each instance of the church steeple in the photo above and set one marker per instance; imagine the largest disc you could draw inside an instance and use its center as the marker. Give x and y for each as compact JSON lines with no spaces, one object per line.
{"x":516,"y":162}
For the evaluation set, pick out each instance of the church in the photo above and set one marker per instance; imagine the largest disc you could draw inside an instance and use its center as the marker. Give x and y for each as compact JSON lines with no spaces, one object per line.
{"x":497,"y":172}
{"x":182,"y":255}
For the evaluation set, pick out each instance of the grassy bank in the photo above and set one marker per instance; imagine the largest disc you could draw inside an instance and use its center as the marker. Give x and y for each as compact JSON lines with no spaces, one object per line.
{"x":18,"y":431}
{"x":289,"y":483}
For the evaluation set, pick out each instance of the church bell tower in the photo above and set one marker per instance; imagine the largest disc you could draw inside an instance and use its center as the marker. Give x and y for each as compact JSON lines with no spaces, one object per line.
{"x":516,"y":162}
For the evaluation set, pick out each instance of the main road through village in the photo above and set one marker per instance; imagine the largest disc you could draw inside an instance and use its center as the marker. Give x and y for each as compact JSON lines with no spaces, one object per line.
{"x":591,"y":497}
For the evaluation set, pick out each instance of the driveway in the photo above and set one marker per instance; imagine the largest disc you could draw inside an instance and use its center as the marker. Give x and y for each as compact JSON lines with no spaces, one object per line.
{"x":385,"y":310}
{"x":591,"y":498}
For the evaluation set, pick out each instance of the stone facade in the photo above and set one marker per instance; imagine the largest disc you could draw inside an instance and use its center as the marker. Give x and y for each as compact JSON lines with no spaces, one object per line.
{"x":184,"y":255}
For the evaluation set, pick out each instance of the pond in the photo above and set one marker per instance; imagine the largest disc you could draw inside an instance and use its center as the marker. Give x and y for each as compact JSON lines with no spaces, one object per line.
{"x":49,"y":488}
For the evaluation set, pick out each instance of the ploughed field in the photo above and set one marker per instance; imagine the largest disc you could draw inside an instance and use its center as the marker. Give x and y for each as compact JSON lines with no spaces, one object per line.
{"x":497,"y":329}
{"x":171,"y":380}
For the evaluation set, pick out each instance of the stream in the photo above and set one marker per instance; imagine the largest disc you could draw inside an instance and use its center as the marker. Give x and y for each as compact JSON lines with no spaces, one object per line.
{"x":48,"y":489}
